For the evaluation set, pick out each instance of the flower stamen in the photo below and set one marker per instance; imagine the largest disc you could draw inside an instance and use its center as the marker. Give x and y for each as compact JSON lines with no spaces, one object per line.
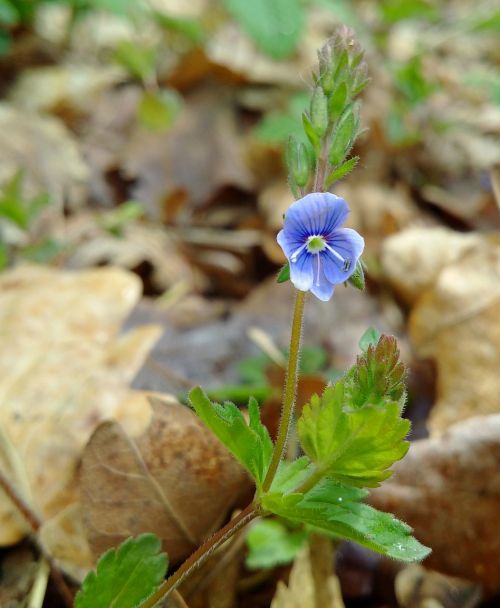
{"x":346,"y":262}
{"x":295,"y":254}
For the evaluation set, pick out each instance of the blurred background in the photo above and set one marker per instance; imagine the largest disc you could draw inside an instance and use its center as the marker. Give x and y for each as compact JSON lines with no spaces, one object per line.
{"x":142,"y":184}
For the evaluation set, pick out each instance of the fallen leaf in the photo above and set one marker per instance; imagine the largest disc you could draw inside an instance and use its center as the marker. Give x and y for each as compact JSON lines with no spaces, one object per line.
{"x":65,"y":369}
{"x":453,"y":281}
{"x":448,"y":489}
{"x":413,"y":258}
{"x":47,"y":151}
{"x":175,"y":480}
{"x":302,"y":591}
{"x":416,"y":587}
{"x":141,"y":245}
{"x":72,"y":86}
{"x":462,"y":308}
{"x":182,"y":161}
{"x":63,"y":537}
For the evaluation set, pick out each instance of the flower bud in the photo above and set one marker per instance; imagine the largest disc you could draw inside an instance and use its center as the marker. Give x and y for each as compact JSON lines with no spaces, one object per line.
{"x":319,"y":111}
{"x":298,"y":162}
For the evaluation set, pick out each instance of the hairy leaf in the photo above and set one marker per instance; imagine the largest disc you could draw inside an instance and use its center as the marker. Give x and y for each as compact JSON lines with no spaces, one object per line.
{"x":249,"y":443}
{"x":354,"y":432}
{"x":355,"y":446}
{"x":271,"y":543}
{"x":126,"y":576}
{"x":334,"y":508}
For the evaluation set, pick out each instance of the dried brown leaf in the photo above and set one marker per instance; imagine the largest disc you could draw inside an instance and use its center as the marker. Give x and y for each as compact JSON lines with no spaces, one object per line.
{"x":175,"y":480}
{"x":302,"y":591}
{"x":448,"y":489}
{"x":64,"y":370}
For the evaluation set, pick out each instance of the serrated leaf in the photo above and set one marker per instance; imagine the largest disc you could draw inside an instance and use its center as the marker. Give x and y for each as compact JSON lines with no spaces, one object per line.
{"x":334,"y":508}
{"x":354,"y":432}
{"x":249,"y":443}
{"x":274,"y":25}
{"x":342,"y":171}
{"x":284,"y":274}
{"x":270,"y":543}
{"x":354,"y":446}
{"x":126,"y":576}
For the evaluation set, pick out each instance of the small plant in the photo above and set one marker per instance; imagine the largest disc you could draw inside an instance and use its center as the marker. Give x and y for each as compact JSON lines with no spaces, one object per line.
{"x":351,"y":434}
{"x":20,"y":213}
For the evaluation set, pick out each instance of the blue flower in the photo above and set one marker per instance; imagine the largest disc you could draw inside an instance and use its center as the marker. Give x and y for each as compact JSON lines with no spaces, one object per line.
{"x":321,"y":254}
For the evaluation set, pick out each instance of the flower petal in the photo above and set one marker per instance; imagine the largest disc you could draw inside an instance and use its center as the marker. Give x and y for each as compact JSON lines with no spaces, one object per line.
{"x":348,"y":244}
{"x":321,"y":287}
{"x":302,"y":272}
{"x":289,"y":241}
{"x":318,"y":213}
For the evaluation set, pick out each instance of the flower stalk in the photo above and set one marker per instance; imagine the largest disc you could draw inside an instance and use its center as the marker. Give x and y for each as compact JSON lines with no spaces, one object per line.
{"x":290,"y":391}
{"x":201,"y":555}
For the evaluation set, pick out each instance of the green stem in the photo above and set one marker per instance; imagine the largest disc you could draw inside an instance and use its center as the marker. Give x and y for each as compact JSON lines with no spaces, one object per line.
{"x":201,"y":555}
{"x":290,"y":390}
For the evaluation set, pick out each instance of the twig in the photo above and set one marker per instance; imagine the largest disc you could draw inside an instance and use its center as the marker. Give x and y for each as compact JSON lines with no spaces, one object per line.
{"x":35,"y":524}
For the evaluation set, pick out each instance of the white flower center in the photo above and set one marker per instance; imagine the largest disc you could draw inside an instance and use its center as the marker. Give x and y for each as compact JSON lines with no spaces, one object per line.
{"x":315,"y":244}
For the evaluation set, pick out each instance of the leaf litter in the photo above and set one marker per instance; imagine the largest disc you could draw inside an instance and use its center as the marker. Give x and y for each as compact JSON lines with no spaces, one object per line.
{"x":212,"y":195}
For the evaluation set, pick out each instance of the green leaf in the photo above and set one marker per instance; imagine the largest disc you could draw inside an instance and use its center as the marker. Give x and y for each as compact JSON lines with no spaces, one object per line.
{"x":274,"y":25}
{"x":334,"y":508}
{"x":4,"y":256}
{"x":342,"y":170}
{"x":190,"y":28}
{"x":319,"y":111}
{"x":284,"y":274}
{"x":357,"y":446}
{"x":116,"y":220}
{"x":158,"y":109}
{"x":357,"y":278}
{"x":270,"y":543}
{"x":44,"y":251}
{"x":369,"y":338}
{"x":126,"y":576}
{"x":291,"y":475}
{"x":298,"y":162}
{"x":140,"y":61}
{"x":337,"y":100}
{"x":312,"y":136}
{"x":8,"y":14}
{"x":354,"y":432}
{"x":14,"y":207}
{"x":249,"y":443}
{"x":344,"y":135}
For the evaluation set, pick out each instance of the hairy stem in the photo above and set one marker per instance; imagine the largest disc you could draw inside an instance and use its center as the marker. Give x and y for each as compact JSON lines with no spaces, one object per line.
{"x":201,"y":555}
{"x":290,"y":390}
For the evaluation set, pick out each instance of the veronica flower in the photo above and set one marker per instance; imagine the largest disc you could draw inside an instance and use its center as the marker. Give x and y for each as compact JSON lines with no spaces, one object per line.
{"x":321,"y":254}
